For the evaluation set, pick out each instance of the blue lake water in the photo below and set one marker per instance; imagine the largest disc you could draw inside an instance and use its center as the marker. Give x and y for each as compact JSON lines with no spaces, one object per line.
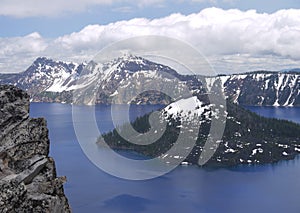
{"x":266,"y":188}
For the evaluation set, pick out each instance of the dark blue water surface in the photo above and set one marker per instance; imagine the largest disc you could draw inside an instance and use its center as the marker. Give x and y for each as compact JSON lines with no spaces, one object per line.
{"x":267,"y":188}
{"x":286,"y":113}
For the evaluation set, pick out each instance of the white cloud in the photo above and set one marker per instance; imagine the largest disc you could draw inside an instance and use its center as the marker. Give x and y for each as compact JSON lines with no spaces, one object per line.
{"x":144,"y":3}
{"x":203,"y":1}
{"x":33,"y":8}
{"x":125,"y":9}
{"x":29,"y":8}
{"x":212,"y":1}
{"x":214,"y":31}
{"x":37,"y":8}
{"x":232,"y":39}
{"x":18,"y":51}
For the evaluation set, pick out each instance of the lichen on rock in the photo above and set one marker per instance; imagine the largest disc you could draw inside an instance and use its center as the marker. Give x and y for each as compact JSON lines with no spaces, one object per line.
{"x":28,"y":179}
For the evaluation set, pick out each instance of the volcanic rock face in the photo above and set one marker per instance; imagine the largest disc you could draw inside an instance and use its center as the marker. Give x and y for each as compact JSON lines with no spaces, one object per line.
{"x":28,"y":180}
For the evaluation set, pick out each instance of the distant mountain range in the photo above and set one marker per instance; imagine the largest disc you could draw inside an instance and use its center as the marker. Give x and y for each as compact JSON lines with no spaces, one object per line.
{"x":47,"y":80}
{"x":293,"y":70}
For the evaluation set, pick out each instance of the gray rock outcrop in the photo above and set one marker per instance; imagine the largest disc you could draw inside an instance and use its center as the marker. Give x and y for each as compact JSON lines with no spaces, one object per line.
{"x":28,"y":180}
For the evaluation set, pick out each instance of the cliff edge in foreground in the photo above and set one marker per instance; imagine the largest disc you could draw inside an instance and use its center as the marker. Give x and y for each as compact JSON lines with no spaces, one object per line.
{"x":28,"y":181}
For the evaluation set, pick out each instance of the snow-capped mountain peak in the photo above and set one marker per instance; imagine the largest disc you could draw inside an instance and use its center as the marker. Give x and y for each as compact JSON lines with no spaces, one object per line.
{"x":47,"y":75}
{"x":49,"y":66}
{"x":128,"y":71}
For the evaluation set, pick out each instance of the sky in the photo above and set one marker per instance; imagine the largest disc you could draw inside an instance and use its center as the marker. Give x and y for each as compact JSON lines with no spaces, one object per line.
{"x":234,"y":35}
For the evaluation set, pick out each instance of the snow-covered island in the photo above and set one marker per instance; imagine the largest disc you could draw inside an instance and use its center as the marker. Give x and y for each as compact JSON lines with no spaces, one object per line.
{"x":248,"y":138}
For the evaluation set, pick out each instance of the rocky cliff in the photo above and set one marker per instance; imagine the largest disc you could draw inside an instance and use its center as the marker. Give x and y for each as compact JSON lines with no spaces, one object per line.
{"x":263,"y":88}
{"x":28,"y":180}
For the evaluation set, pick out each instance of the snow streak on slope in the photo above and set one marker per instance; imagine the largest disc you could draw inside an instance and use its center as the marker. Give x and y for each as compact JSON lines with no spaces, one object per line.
{"x":263,"y":88}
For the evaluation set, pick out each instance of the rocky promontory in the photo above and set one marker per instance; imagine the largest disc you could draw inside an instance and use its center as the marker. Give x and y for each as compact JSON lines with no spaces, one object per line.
{"x":28,"y":179}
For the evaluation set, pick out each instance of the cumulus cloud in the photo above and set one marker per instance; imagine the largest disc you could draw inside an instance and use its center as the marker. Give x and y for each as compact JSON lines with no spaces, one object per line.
{"x":232,"y":40}
{"x":31,"y":43}
{"x":213,"y":31}
{"x":17,"y":52}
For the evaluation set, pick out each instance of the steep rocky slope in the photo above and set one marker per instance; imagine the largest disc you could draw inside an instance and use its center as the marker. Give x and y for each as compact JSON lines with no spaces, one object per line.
{"x":263,"y":88}
{"x":28,"y":180}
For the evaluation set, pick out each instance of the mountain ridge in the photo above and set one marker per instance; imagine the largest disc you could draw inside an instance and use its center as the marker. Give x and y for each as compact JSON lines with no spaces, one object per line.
{"x":47,"y":80}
